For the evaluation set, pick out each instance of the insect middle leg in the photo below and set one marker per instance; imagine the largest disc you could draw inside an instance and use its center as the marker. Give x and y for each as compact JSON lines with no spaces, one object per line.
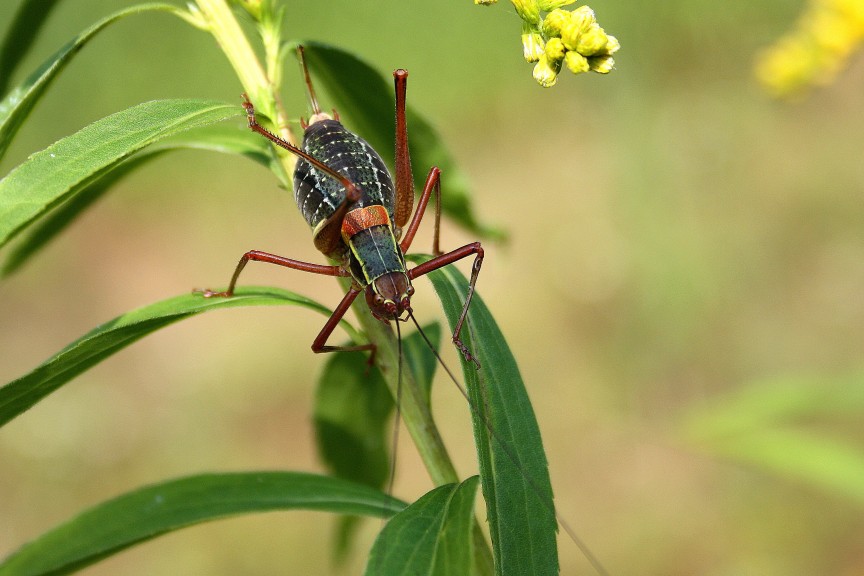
{"x":319,"y":344}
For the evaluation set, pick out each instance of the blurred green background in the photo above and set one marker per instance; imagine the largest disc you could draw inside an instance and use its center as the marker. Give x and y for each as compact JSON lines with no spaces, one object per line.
{"x":683,"y":287}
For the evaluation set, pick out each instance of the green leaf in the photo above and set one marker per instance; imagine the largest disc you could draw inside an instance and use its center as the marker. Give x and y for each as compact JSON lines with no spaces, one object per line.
{"x":513,"y":468}
{"x":18,"y":104}
{"x":430,"y":537}
{"x":833,"y":465}
{"x":361,"y":93}
{"x":771,"y":424}
{"x":352,"y":405}
{"x":66,"y":167}
{"x":154,"y":510}
{"x":216,"y":138}
{"x":100,"y":343}
{"x":22,"y":32}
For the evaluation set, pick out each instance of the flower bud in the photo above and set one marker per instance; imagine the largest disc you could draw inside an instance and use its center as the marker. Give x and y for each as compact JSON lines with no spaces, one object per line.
{"x":546,"y":73}
{"x":576,"y":63}
{"x":601,"y":64}
{"x":581,"y":20}
{"x":612,"y":45}
{"x":555,"y":50}
{"x":532,"y":43}
{"x":584,"y":17}
{"x":592,"y":42}
{"x":554,"y":22}
{"x":528,"y":11}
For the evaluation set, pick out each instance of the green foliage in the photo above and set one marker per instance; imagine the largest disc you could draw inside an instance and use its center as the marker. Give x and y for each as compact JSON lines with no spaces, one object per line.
{"x":431,"y":533}
{"x":154,"y":510}
{"x":68,"y":166}
{"x":513,"y":468}
{"x":438,"y":534}
{"x":110,"y":337}
{"x":769,"y":424}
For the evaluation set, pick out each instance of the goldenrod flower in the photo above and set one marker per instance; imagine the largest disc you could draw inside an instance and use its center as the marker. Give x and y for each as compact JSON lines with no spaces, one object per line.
{"x":552,"y":36}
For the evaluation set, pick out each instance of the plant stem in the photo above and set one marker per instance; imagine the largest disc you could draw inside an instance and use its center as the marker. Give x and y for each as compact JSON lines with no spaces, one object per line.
{"x":262,"y":92}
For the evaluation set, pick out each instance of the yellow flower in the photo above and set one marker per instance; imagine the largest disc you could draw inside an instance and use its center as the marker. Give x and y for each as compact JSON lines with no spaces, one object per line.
{"x":826,"y":35}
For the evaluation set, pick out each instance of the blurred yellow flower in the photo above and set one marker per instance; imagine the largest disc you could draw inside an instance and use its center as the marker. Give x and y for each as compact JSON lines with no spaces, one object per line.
{"x":826,"y":35}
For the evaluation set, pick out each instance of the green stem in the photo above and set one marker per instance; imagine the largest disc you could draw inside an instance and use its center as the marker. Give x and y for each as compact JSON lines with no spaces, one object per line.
{"x":223,"y":25}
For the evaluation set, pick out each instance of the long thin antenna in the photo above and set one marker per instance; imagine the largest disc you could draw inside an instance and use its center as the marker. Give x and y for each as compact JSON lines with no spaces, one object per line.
{"x":310,"y":91}
{"x":398,"y":418}
{"x":595,"y":563}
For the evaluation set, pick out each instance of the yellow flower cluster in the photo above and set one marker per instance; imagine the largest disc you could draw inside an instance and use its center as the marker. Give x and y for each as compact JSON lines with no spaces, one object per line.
{"x":827,"y":33}
{"x":553,"y":37}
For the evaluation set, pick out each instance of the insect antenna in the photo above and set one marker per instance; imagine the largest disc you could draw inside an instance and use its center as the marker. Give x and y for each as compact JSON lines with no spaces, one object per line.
{"x":398,"y":418}
{"x":571,"y":533}
{"x":310,"y":90}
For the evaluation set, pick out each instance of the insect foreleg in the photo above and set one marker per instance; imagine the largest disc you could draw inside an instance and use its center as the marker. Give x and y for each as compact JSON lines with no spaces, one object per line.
{"x":319,"y":345}
{"x":448,"y":258}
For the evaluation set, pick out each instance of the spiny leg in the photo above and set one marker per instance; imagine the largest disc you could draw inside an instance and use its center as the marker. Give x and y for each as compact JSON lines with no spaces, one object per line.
{"x":448,"y":258}
{"x":352,"y":193}
{"x":319,"y":344}
{"x":258,"y":256}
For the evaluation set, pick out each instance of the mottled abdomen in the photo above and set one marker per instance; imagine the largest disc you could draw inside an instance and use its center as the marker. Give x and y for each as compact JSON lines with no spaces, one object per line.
{"x":317,"y":194}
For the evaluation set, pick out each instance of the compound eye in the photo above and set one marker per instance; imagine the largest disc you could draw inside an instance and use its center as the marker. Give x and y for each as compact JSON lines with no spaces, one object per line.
{"x":410,"y":290}
{"x":379,"y":300}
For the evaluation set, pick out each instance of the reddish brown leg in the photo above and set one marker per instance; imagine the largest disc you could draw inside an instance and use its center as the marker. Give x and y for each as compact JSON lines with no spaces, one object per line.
{"x":319,"y":345}
{"x":352,"y":194}
{"x":433,"y":184}
{"x":258,"y":256}
{"x":402,"y":164}
{"x":449,"y":258}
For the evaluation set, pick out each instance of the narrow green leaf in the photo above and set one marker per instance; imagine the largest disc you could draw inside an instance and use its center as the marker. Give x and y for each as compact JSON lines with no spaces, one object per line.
{"x":772,"y":424}
{"x":513,"y":468}
{"x":18,"y":104}
{"x":362,"y":94}
{"x":352,"y":406}
{"x":777,"y":400}
{"x":828,"y":464}
{"x":22,"y":32}
{"x":216,"y":138}
{"x":100,"y":343}
{"x":70,"y":164}
{"x":430,"y":537}
{"x":154,"y":510}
